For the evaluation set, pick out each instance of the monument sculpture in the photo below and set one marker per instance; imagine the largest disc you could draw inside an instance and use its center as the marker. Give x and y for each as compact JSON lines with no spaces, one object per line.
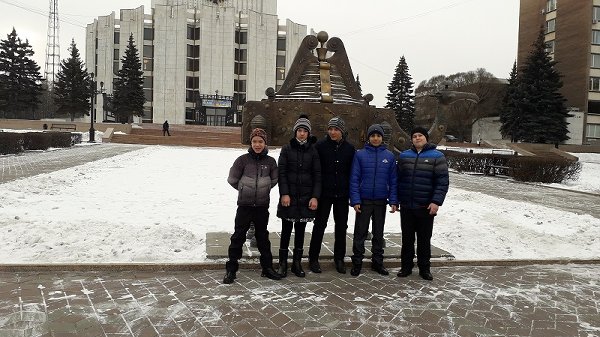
{"x":321,"y":85}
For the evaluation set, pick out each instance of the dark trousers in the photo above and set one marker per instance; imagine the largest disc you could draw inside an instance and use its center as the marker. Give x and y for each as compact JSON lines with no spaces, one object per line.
{"x":370,"y":210}
{"x":340,"y":216}
{"x":260,"y":217}
{"x":286,"y":234}
{"x":416,"y":221}
{"x":166,"y":132}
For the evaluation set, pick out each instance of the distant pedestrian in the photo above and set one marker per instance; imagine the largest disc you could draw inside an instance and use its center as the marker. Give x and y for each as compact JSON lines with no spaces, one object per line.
{"x":166,"y":128}
{"x":253,"y":175}
{"x":373,"y":185}
{"x":336,"y":155}
{"x":422,"y":186}
{"x":299,"y":188}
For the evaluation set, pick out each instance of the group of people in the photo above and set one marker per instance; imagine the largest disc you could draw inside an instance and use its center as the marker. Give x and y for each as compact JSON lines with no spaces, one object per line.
{"x":315,"y":177}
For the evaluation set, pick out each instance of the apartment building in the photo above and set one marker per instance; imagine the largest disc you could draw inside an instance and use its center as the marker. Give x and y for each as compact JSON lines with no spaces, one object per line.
{"x":202,"y":59}
{"x":572,"y":34}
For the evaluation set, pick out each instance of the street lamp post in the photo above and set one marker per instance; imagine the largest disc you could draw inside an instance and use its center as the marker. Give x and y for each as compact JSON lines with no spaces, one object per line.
{"x":93,"y":100}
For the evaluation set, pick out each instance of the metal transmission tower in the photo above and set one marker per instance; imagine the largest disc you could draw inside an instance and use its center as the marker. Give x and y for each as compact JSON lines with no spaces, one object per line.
{"x":53,"y":46}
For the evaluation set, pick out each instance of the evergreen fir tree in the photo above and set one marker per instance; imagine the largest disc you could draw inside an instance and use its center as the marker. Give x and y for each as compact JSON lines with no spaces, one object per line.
{"x":358,"y":84}
{"x":128,"y":97}
{"x":509,"y":112}
{"x":72,"y":88}
{"x":20,"y":79}
{"x":541,"y":110}
{"x":401,"y":98}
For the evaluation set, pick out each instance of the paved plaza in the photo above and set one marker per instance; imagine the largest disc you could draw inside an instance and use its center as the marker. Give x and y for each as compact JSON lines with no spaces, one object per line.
{"x":479,"y":299}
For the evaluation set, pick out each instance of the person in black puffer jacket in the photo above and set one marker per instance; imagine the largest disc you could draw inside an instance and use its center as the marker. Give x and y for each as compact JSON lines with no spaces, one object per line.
{"x":336,"y":155}
{"x":252,"y":175}
{"x":299,"y":188}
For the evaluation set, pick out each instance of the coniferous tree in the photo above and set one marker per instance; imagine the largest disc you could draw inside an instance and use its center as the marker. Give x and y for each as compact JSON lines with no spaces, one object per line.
{"x":128,"y":97}
{"x":358,"y":84}
{"x":20,"y":79}
{"x":401,"y":98}
{"x":509,"y":112}
{"x":72,"y":89}
{"x":541,"y":107}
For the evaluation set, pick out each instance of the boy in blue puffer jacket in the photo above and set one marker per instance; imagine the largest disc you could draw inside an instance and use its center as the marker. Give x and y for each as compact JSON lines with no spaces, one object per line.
{"x":373,"y":185}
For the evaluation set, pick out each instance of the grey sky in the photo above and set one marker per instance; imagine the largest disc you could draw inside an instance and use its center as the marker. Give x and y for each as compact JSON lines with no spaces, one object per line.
{"x":436,"y":36}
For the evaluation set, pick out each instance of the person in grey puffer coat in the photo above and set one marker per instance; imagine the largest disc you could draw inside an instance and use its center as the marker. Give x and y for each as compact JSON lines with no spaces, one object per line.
{"x":253,"y":175}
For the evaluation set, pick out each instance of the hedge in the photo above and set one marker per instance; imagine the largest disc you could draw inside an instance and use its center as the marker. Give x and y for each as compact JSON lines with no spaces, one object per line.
{"x":11,"y":143}
{"x":36,"y":141}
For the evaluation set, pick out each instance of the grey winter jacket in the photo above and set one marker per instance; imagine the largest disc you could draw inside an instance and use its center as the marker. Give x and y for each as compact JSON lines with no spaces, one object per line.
{"x":253,"y":175}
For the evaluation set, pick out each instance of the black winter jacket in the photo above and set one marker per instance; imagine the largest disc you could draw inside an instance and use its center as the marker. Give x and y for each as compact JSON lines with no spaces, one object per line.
{"x":336,"y":162}
{"x":253,"y":175}
{"x":299,"y":177}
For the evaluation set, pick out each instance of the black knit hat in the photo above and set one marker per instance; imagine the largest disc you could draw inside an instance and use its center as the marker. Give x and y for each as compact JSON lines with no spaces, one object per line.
{"x":337,"y":122}
{"x":375,"y":128}
{"x":421,"y":130}
{"x":302,"y":122}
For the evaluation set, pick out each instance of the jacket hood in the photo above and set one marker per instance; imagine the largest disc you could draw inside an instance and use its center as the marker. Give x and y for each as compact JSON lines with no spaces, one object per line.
{"x":370,"y":147}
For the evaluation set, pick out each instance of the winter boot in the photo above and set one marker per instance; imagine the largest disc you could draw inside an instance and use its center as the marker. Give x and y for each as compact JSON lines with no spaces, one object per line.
{"x":314,"y":265}
{"x":296,"y":264}
{"x":270,"y":273}
{"x":356,"y":267}
{"x":425,"y":274}
{"x":340,"y":266}
{"x":283,"y":261}
{"x":231,"y":268}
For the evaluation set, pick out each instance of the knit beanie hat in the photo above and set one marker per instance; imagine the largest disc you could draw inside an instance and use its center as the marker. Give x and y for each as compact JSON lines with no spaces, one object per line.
{"x":260,"y":133}
{"x":302,"y":122}
{"x":421,"y":130}
{"x":337,"y":122}
{"x":375,"y":128}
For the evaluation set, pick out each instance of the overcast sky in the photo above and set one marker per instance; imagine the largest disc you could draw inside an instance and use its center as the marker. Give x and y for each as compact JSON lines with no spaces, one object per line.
{"x":436,"y":36}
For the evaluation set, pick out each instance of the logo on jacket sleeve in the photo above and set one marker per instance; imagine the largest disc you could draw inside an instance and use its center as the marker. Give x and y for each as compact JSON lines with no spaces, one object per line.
{"x":385,"y":161}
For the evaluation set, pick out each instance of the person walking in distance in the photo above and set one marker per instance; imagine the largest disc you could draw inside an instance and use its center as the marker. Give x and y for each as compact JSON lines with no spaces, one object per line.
{"x":373,"y":185}
{"x":253,"y":174}
{"x":336,"y":155}
{"x":422,"y":186}
{"x":166,"y":128}
{"x":299,"y":188}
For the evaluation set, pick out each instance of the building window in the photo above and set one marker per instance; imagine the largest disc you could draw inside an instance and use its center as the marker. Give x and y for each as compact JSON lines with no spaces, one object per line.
{"x":240,"y":68}
{"x":116,"y":55}
{"x":193,"y":64}
{"x":193,"y":51}
{"x":594,"y":83}
{"x":241,"y":54}
{"x":550,"y":26}
{"x":148,"y":65}
{"x":148,"y":82}
{"x":241,"y":37}
{"x":239,"y":99}
{"x":593,"y":130}
{"x":550,"y":46}
{"x":116,"y":67}
{"x":148,"y":52}
{"x":595,"y":36}
{"x":192,"y":82}
{"x":280,"y":74}
{"x":596,"y":14}
{"x":193,"y":33}
{"x":148,"y":95}
{"x":148,"y":34}
{"x":280,"y":61}
{"x":239,"y":85}
{"x":192,"y":96}
{"x":281,"y":43}
{"x":550,"y":5}
{"x":117,"y":37}
{"x":595,"y":60}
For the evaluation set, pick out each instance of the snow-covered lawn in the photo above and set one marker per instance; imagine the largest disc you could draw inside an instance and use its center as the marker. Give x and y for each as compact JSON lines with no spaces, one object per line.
{"x":157,"y":204}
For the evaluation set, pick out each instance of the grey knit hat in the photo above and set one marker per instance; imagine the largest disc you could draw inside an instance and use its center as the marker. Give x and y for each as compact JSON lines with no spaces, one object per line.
{"x":375,"y":128}
{"x":337,"y":122}
{"x":302,"y":122}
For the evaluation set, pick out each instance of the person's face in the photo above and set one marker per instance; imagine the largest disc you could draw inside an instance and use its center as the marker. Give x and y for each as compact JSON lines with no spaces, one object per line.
{"x":258,"y":144}
{"x":301,"y":134}
{"x":419,"y":140}
{"x":334,"y":133}
{"x":375,"y":139}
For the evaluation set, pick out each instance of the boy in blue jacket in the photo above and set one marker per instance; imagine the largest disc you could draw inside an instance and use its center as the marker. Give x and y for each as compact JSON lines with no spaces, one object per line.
{"x":373,"y":185}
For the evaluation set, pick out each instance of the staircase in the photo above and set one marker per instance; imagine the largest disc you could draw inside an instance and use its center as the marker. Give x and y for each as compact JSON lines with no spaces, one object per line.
{"x":541,"y":150}
{"x":183,"y":135}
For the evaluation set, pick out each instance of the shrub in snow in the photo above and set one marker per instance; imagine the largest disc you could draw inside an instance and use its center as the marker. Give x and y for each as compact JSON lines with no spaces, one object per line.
{"x":62,"y":139}
{"x":475,"y":162}
{"x":36,"y":141}
{"x":11,"y":143}
{"x":544,"y":170}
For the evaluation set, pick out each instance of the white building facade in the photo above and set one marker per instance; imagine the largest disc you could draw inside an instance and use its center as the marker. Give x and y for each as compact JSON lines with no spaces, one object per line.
{"x":202,"y":59}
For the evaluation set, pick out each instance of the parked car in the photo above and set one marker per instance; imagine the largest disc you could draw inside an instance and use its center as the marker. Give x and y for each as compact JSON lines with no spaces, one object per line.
{"x":450,"y":139}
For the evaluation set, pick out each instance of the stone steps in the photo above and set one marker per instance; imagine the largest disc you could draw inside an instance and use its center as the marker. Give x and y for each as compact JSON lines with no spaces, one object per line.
{"x":194,"y":136}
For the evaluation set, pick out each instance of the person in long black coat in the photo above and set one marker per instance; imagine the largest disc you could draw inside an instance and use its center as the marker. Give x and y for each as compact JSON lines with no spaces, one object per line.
{"x":299,"y":188}
{"x":336,"y":155}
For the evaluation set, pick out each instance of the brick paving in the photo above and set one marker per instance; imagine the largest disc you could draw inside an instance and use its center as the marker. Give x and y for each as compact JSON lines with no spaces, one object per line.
{"x":549,"y":300}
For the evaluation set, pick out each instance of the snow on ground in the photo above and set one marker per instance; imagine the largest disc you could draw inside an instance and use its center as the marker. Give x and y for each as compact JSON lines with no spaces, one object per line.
{"x":156,"y":205}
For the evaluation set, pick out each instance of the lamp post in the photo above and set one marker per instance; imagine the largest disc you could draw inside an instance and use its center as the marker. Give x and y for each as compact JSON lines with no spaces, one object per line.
{"x":93,"y":100}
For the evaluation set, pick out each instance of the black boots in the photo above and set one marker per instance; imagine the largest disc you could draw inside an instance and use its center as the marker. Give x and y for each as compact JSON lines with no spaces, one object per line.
{"x":296,"y":264}
{"x":314,"y":265}
{"x":404,"y":272}
{"x":231,"y":268}
{"x":425,"y":274}
{"x":340,"y":266}
{"x":270,"y":273}
{"x":379,"y":268}
{"x":356,"y":267}
{"x":283,"y":256}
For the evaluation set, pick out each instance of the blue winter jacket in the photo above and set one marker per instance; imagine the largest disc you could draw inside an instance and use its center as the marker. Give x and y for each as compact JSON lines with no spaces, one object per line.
{"x":422,"y":177}
{"x":373,"y":176}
